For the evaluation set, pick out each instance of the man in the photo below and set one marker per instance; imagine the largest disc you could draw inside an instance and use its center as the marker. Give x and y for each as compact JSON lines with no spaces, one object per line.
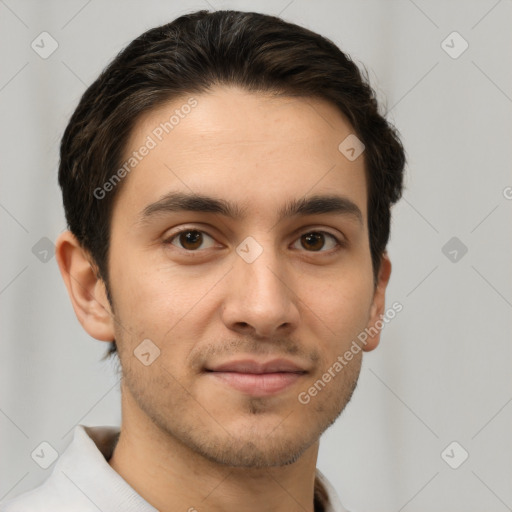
{"x":227,"y":183}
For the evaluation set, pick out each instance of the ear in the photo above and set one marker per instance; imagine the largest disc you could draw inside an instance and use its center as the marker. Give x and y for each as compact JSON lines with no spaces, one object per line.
{"x":378,"y":304}
{"x":86,"y":289}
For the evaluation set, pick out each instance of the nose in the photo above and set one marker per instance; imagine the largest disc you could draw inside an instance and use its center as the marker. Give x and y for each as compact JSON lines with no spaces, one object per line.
{"x":260,"y":300}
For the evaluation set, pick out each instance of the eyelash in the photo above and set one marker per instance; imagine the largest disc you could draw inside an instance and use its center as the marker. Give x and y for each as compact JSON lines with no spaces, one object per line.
{"x":340,"y":244}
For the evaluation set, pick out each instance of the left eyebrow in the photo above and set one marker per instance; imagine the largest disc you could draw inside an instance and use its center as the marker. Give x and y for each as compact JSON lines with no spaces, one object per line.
{"x":322,"y":204}
{"x":314,"y":205}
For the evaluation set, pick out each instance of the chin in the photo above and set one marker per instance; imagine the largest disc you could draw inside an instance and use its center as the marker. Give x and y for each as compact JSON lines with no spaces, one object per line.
{"x":254,"y":442}
{"x":252,"y":453}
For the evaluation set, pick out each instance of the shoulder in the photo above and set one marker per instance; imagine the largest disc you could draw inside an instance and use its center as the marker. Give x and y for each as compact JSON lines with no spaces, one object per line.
{"x":49,"y":497}
{"x":26,"y":502}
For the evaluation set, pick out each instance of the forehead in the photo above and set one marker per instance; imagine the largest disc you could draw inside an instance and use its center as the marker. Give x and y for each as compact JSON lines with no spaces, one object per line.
{"x":228,"y":143}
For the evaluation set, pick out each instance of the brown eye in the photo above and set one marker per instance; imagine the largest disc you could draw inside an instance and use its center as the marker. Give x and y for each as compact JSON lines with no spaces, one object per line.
{"x":312,"y":241}
{"x":315,"y":241}
{"x":190,"y":239}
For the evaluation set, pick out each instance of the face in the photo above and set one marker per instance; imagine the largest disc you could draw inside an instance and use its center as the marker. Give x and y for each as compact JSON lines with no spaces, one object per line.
{"x":250,"y":293}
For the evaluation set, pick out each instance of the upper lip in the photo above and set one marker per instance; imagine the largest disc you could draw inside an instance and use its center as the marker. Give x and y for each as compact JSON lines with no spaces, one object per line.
{"x":257,"y":367}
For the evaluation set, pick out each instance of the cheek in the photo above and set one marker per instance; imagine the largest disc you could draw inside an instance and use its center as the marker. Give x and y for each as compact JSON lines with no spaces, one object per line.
{"x":141,"y":282}
{"x":341,"y":308}
{"x":141,"y":296}
{"x":157,"y":300}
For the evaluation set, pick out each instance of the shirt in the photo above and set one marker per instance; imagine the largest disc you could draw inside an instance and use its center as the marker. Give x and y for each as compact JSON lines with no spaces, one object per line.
{"x":83,"y":481}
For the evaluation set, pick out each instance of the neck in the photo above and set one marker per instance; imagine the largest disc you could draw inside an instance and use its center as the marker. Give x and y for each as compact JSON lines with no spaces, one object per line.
{"x":170,"y":476}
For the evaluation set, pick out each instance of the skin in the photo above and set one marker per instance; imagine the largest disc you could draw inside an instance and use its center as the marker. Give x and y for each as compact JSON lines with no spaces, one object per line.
{"x":188,"y":439}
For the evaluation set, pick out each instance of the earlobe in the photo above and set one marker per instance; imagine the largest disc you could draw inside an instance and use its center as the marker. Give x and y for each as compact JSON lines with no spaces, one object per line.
{"x":378,"y":305}
{"x":85,"y":288}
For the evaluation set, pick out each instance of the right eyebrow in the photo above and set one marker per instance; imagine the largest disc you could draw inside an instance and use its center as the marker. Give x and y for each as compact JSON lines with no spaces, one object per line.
{"x":179,"y":201}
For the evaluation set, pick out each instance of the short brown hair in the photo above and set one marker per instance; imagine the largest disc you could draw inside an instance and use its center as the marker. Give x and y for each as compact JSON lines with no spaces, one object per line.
{"x":256,"y":52}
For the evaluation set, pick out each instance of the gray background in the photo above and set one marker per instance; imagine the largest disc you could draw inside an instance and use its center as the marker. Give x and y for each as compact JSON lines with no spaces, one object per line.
{"x":442,"y":372}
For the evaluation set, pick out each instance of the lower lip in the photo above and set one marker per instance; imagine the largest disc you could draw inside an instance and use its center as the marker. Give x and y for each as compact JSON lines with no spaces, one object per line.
{"x":261,"y":384}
